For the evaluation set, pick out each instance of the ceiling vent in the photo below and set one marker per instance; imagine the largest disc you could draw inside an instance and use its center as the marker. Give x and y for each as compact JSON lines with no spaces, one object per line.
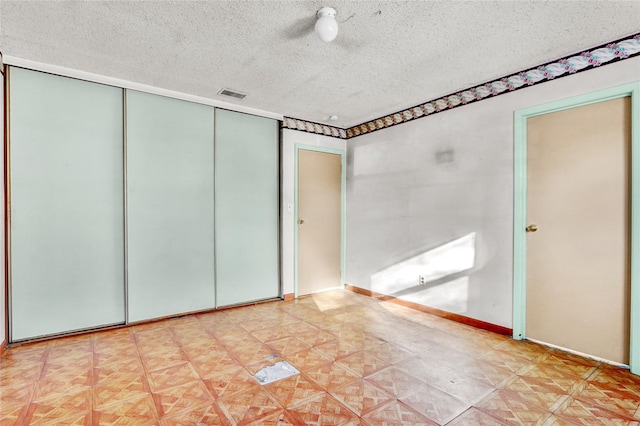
{"x":232,"y":94}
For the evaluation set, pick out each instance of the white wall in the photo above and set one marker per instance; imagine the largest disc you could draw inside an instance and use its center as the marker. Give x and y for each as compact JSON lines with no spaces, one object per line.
{"x":444,"y":179}
{"x":289,"y":140}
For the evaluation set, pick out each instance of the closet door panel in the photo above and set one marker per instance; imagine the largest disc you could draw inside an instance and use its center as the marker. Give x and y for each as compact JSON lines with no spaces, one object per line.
{"x":170,"y":206}
{"x":66,"y":204}
{"x":246,"y":208}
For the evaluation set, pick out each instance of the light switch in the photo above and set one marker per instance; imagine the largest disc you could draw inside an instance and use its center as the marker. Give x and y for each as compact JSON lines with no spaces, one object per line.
{"x":289,"y":207}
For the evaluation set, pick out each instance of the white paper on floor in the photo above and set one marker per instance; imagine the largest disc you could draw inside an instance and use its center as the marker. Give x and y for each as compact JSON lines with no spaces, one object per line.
{"x":278,"y":371}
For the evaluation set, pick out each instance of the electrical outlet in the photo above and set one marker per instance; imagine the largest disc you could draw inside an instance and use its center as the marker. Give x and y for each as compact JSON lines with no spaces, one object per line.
{"x":421,"y":280}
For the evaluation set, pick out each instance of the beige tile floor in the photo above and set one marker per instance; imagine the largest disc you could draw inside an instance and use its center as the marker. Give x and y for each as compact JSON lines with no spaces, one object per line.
{"x":362,"y":362}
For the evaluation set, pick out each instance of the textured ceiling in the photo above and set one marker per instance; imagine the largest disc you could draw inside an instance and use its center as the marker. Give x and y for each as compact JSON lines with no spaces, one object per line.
{"x":389,"y":55}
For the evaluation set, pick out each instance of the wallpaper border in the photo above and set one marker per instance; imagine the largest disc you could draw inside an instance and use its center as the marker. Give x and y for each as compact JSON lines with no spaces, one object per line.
{"x":311,"y":127}
{"x":603,"y":54}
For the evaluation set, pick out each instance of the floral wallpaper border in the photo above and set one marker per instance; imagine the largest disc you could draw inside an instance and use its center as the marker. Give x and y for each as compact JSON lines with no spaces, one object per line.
{"x":308,"y":126}
{"x":595,"y":57}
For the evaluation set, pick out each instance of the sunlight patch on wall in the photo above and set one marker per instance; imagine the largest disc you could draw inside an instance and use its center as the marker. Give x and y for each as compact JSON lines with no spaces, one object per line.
{"x":432,"y":277}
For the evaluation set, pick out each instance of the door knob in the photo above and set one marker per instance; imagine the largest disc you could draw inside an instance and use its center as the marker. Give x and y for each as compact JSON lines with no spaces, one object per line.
{"x":301,"y":222}
{"x":531,"y":228}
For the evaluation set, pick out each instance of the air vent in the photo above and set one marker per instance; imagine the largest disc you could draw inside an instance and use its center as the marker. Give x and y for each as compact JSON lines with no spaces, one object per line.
{"x":232,"y":94}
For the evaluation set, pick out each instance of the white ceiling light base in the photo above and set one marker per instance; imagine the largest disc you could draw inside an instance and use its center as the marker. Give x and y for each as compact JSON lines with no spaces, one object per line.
{"x":326,"y":26}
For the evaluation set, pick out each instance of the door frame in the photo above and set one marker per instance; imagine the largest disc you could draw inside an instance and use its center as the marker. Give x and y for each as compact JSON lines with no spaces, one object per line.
{"x":343,"y":203}
{"x":520,"y":206}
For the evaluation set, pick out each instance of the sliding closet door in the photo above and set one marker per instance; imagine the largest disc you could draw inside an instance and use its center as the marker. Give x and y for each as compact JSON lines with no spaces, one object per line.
{"x":66,"y":198}
{"x":246,"y":208}
{"x":170,"y":206}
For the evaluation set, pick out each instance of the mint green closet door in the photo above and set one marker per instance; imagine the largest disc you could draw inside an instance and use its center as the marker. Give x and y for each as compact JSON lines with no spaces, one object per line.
{"x":67,"y":205}
{"x":169,"y":206}
{"x":247,"y":188}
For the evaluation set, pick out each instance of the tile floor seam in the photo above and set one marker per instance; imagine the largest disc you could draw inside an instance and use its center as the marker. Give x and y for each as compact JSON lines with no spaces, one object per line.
{"x":145,"y":376}
{"x":613,"y":414}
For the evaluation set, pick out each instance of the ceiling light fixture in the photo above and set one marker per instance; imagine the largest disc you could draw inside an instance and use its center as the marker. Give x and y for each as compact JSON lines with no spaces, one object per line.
{"x":326,"y":26}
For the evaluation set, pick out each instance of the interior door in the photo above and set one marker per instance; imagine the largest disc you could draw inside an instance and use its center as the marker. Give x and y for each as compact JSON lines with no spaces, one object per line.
{"x":319,"y":217}
{"x":578,"y":258}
